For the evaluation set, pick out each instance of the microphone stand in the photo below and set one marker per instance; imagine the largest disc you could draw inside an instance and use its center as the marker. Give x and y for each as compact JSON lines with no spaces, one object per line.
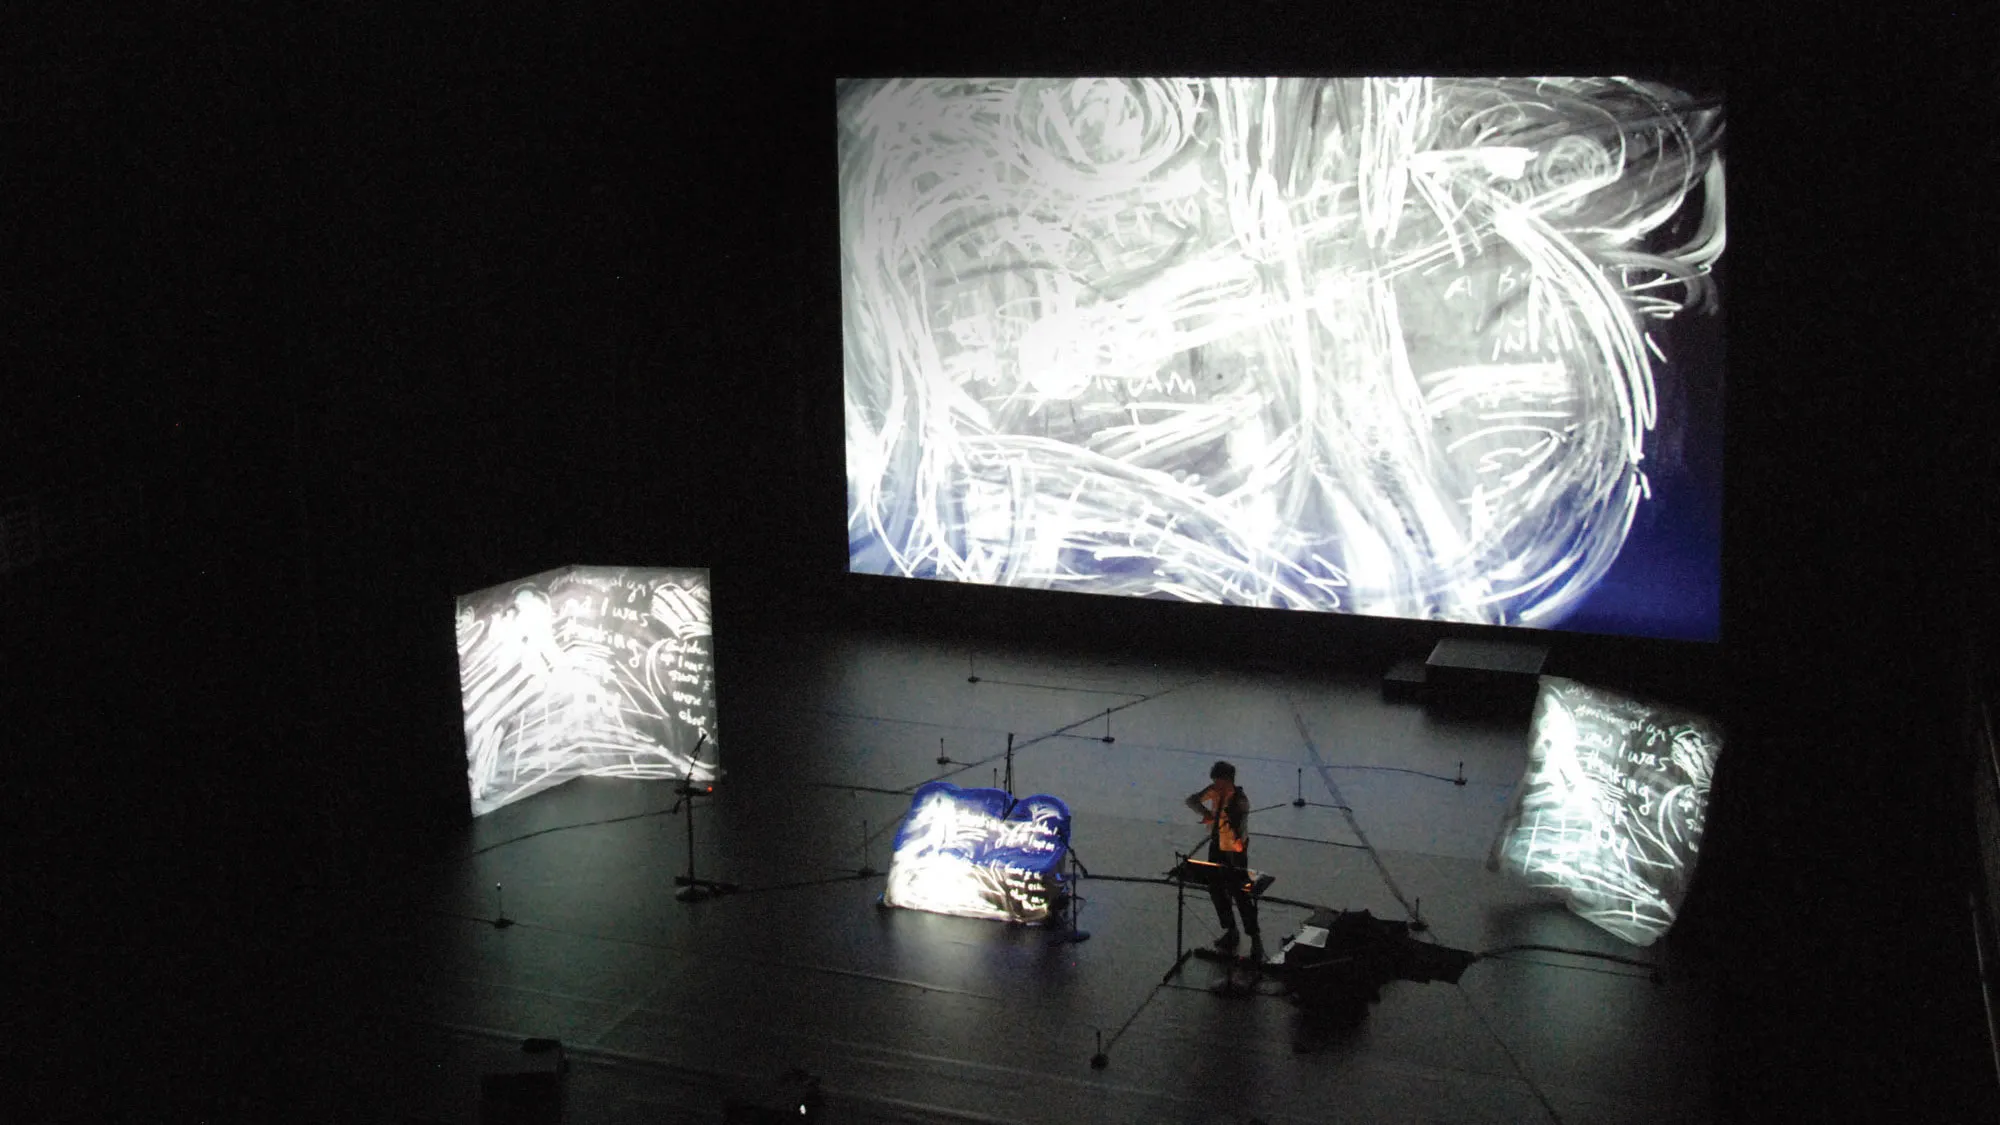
{"x":1072,"y":935}
{"x":692,"y":888}
{"x":1181,"y":953}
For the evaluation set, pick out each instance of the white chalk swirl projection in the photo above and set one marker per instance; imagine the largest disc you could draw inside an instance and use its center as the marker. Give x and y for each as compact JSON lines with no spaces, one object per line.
{"x":586,"y":671}
{"x":1610,"y":811}
{"x":979,"y":853}
{"x":1380,"y":346}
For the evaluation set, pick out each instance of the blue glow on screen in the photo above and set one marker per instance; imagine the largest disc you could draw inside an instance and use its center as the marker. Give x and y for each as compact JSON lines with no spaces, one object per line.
{"x":1433,"y":348}
{"x":979,"y":853}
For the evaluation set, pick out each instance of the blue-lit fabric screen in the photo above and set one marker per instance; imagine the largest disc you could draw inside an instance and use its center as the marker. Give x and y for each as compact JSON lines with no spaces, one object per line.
{"x":979,"y":853}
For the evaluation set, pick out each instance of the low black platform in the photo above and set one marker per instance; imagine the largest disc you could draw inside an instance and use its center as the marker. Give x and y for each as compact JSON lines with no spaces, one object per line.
{"x":1469,"y":673}
{"x":1405,"y":683}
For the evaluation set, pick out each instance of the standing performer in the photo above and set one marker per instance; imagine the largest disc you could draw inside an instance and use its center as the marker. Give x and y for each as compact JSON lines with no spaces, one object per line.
{"x":1227,"y":809}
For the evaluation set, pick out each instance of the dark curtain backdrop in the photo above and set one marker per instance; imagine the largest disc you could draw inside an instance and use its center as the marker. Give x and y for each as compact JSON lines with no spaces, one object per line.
{"x":387,"y":307}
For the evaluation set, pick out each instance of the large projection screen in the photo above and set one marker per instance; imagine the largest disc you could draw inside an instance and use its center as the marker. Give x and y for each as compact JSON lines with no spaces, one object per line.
{"x":586,"y":671}
{"x":1435,"y":348}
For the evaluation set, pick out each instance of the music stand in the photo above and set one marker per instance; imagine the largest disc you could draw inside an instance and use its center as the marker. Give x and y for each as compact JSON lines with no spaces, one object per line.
{"x":1204,"y":873}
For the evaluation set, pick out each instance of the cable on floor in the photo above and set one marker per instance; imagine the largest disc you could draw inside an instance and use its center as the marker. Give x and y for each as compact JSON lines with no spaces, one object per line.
{"x":1519,"y":1070}
{"x":1653,"y":968}
{"x":1058,"y":732}
{"x":1353,"y":824}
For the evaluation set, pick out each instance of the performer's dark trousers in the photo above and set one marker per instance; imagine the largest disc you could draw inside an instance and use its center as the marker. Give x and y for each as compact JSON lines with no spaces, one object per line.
{"x":1233,"y":886}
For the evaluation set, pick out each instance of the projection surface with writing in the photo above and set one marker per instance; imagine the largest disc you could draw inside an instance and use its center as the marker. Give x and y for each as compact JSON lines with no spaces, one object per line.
{"x":600,"y":671}
{"x":1609,"y":814}
{"x":1435,"y":348}
{"x":979,"y":853}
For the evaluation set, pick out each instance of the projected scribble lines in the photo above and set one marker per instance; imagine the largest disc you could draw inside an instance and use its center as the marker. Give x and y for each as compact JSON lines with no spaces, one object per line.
{"x":567,"y":674}
{"x":1241,"y":309}
{"x":1610,"y":823}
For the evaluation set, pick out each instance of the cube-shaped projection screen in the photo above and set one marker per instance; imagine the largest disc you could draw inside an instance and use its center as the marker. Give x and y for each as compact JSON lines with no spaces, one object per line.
{"x":1609,"y":814}
{"x":599,"y":671}
{"x":979,"y":853}
{"x":1446,"y":348}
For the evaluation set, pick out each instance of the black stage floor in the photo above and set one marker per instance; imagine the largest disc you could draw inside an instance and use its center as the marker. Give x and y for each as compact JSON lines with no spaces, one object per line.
{"x":667,"y":1007}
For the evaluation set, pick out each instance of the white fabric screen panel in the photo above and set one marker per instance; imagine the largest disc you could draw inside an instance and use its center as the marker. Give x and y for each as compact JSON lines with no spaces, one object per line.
{"x":1610,"y":811}
{"x":584,"y":670}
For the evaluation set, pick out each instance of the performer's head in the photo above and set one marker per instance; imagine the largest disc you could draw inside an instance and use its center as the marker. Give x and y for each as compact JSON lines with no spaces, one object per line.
{"x":1222,"y":771}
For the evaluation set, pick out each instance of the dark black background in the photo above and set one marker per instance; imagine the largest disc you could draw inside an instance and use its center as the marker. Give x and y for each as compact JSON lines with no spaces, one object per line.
{"x":384,"y":307}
